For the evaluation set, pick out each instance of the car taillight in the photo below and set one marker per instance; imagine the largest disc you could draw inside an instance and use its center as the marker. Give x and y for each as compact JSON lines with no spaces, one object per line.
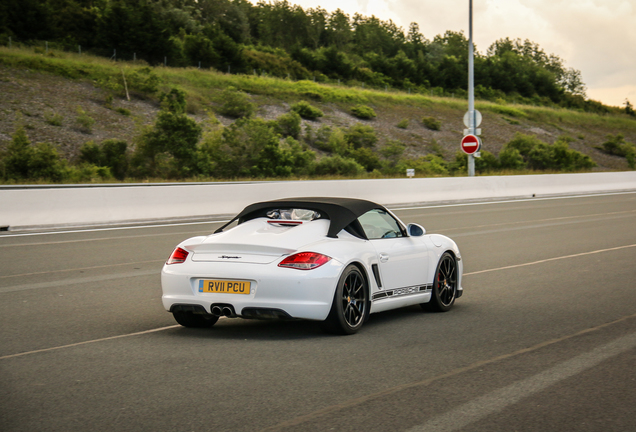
{"x":304,"y":261}
{"x":178,"y":256}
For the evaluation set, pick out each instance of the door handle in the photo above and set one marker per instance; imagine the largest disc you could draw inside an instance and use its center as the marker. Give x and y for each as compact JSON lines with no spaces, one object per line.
{"x":384,"y":257}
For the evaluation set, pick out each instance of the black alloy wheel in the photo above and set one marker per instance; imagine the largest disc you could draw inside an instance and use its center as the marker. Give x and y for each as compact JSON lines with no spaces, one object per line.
{"x":444,"y":285}
{"x":350,"y":306}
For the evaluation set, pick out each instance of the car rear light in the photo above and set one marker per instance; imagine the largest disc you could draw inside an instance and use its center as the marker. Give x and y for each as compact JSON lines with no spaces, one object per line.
{"x":304,"y":261}
{"x":178,"y":256}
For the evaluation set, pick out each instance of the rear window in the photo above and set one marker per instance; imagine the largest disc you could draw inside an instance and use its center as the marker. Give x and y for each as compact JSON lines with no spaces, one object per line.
{"x":293,"y":214}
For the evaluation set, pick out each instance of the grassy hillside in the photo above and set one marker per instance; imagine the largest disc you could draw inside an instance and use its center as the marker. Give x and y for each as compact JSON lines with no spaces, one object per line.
{"x":67,"y":100}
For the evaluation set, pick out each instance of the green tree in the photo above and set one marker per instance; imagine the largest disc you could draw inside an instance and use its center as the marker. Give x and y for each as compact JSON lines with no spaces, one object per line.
{"x":24,"y":161}
{"x":19,"y":154}
{"x":175,"y":135}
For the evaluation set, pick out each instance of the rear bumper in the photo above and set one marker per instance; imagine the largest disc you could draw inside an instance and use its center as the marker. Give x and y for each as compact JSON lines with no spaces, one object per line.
{"x":293,"y":293}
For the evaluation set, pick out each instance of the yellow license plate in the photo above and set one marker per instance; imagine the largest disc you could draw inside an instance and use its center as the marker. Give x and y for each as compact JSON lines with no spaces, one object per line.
{"x":224,"y":286}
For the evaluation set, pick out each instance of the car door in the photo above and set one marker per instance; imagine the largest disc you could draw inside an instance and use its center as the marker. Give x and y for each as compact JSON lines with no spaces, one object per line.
{"x":402,"y":260}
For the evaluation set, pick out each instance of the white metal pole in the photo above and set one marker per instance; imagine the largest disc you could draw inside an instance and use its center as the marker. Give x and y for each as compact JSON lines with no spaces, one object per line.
{"x":471,"y":86}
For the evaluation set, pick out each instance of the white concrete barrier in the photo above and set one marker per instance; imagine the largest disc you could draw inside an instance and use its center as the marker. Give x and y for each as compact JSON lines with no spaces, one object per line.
{"x":25,"y":207}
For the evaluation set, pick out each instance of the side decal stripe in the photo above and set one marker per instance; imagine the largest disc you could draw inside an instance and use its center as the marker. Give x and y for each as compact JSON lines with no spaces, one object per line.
{"x":399,"y":292}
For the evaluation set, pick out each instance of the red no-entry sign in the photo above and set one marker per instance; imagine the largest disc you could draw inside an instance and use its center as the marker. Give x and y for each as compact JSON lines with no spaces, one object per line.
{"x":470,"y":144}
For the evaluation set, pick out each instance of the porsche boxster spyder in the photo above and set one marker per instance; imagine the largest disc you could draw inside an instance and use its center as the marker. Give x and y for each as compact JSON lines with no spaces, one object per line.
{"x":333,"y":260}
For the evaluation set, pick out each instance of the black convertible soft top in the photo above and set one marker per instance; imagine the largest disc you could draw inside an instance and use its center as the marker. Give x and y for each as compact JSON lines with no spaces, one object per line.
{"x":341,"y":212}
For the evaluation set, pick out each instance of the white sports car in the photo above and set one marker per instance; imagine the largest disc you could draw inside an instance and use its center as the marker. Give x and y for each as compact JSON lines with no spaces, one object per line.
{"x":334,"y":260}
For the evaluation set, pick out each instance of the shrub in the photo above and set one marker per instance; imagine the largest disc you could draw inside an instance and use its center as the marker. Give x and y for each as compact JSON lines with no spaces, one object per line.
{"x":174,"y":101}
{"x":312,"y":95}
{"x":337,"y":142}
{"x":111,"y":154}
{"x":54,"y":119}
{"x":616,"y":145}
{"x":306,"y":110}
{"x":510,"y":158}
{"x":363,"y":112}
{"x":144,"y":80}
{"x":360,"y":135}
{"x":236,"y":104}
{"x":558,"y":157}
{"x":18,"y":156}
{"x":87,"y":173}
{"x":432,"y":123}
{"x":84,"y":121}
{"x":90,"y":153}
{"x":298,"y":157}
{"x":319,"y":139}
{"x":486,"y":163}
{"x":538,"y":155}
{"x":337,"y":165}
{"x":288,"y":125}
{"x":435,"y":148}
{"x":46,"y":164}
{"x":23,"y":161}
{"x":523,"y":143}
{"x":392,"y":152}
{"x":403,"y":124}
{"x":366,"y":157}
{"x":123,"y":111}
{"x":424,"y":165}
{"x":114,"y":155}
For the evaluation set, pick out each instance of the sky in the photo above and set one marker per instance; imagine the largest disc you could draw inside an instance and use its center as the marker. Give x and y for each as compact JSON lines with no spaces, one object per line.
{"x":597,"y":37}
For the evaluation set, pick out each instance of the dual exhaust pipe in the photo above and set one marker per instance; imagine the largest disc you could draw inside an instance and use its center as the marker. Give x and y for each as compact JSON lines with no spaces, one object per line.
{"x":226,"y":311}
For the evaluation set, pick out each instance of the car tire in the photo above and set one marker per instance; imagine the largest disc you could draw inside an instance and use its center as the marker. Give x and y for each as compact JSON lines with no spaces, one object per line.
{"x":444,"y":285}
{"x":350,"y":306}
{"x":189,"y":319}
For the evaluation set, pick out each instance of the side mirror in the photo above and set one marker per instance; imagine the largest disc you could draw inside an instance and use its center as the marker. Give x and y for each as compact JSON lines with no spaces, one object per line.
{"x":415,"y":230}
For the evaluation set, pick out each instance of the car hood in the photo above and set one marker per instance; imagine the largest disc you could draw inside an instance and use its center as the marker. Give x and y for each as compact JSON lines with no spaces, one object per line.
{"x":256,"y":241}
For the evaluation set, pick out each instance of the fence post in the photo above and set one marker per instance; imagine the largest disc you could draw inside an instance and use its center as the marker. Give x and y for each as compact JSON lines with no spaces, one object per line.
{"x":199,"y":65}
{"x":165,"y":61}
{"x":47,"y":46}
{"x":134,"y":57}
{"x":228,"y":68}
{"x":9,"y":41}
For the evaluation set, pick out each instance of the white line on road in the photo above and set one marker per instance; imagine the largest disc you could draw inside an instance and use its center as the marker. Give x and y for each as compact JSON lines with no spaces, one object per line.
{"x":81,"y":269}
{"x":89,"y":342}
{"x":328,"y":411}
{"x":550,"y":259}
{"x":78,"y":281}
{"x":497,"y":400}
{"x":114,"y":228}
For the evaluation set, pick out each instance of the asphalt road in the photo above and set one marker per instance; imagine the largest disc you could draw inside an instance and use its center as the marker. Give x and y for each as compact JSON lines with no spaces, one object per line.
{"x":543,"y":339}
